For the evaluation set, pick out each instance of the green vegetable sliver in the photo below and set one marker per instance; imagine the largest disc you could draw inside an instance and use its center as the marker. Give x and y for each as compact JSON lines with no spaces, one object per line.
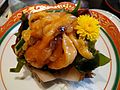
{"x":74,"y":12}
{"x":19,"y":44}
{"x":19,"y":66}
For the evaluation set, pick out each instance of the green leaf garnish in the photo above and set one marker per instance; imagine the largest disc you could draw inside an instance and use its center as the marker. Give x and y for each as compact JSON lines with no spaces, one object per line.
{"x":19,"y":66}
{"x":16,"y":34}
{"x":85,"y":65}
{"x":103,"y":59}
{"x":75,"y":11}
{"x":82,"y":64}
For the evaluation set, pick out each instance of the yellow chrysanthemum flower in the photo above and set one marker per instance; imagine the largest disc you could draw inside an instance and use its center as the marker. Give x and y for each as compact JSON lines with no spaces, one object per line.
{"x":88,"y":27}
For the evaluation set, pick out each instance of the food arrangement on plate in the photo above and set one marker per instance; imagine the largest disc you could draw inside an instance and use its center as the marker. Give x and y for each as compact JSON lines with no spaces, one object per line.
{"x":59,"y":44}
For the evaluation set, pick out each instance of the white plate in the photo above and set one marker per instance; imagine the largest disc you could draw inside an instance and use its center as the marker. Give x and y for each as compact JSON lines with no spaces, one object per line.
{"x":106,"y":77}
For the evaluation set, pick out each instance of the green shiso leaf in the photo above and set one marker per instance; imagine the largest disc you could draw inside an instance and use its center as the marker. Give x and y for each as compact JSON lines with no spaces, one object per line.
{"x":85,"y":65}
{"x":103,"y":59}
{"x":82,"y":64}
{"x":16,"y":34}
